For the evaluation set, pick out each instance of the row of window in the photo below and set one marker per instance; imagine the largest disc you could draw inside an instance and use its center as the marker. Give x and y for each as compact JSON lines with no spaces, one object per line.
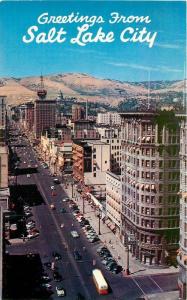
{"x":169,"y":223}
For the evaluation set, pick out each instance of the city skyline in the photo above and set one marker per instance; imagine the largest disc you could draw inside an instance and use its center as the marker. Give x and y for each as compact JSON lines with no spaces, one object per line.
{"x":119,"y":61}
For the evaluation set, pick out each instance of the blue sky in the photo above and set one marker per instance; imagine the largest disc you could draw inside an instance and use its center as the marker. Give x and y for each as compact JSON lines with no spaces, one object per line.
{"x":116,"y":60}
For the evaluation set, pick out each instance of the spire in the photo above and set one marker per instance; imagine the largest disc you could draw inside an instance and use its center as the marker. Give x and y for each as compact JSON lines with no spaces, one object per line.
{"x":41,"y":91}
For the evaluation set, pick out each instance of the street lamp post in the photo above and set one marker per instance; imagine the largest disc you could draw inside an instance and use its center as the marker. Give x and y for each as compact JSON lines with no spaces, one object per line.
{"x":129,"y":241}
{"x":127,"y":272}
{"x":99,"y":220}
{"x":72,"y":194}
{"x":83,"y":205}
{"x":99,"y":229}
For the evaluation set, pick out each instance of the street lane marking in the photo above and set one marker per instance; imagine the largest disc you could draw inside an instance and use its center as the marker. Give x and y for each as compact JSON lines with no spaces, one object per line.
{"x":138,"y":285}
{"x":63,"y":241}
{"x":156,"y":284}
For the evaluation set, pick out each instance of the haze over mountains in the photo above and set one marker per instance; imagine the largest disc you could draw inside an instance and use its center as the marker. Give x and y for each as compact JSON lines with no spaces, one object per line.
{"x":84,"y":86}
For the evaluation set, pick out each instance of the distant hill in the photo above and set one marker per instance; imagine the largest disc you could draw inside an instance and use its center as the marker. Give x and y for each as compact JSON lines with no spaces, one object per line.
{"x":83,"y":87}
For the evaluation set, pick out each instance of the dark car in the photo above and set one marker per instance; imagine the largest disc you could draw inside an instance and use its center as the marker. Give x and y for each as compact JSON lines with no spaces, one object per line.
{"x":57,"y":276}
{"x":75,"y":207}
{"x":56,"y":180}
{"x":56,"y":255}
{"x":116,"y":269}
{"x":77,"y":255}
{"x":86,"y":222}
{"x":107,"y":254}
{"x":101,"y":248}
{"x":103,"y":252}
{"x":111,"y":265}
{"x":47,"y":264}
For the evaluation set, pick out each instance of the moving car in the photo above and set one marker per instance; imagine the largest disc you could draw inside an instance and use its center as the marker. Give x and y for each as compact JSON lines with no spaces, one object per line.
{"x":28,"y":175}
{"x":52,"y":206}
{"x":77,"y":255}
{"x":56,"y":180}
{"x":65,"y":199}
{"x":56,"y":255}
{"x":60,"y":291}
{"x":63,"y":210}
{"x":74,"y":234}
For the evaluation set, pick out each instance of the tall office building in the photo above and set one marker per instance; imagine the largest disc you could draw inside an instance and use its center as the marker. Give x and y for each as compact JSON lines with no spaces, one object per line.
{"x":44,"y":112}
{"x":182,"y":254}
{"x":29,"y":116}
{"x":150,"y":184}
{"x":78,"y":112}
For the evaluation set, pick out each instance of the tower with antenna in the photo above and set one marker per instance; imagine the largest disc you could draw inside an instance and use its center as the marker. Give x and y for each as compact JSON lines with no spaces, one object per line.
{"x":41,"y":92}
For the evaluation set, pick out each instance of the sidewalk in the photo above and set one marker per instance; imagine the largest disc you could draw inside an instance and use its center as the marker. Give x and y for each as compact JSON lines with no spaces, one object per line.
{"x":115,"y":246}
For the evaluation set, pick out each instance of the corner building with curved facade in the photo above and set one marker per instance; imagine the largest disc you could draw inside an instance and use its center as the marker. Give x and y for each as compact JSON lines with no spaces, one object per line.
{"x":150,"y":185}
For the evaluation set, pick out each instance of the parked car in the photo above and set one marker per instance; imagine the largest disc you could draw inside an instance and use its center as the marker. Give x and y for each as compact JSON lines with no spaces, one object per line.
{"x":47,"y":264}
{"x":110,"y":265}
{"x":63,"y":210}
{"x":60,"y":291}
{"x":116,"y":269}
{"x":94,"y":239}
{"x":101,"y":248}
{"x":106,"y":260}
{"x":45,"y":277}
{"x":57,"y":276}
{"x":47,"y":285}
{"x":32,"y":235}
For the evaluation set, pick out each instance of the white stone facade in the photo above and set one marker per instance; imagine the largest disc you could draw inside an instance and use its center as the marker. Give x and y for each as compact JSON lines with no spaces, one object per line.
{"x":113,"y":198}
{"x":109,"y":118}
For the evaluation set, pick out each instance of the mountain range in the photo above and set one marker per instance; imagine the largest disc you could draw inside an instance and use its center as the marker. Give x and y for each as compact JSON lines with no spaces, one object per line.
{"x":85,"y":87}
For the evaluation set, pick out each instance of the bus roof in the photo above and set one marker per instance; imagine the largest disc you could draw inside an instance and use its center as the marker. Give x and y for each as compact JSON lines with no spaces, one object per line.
{"x":99,"y":277}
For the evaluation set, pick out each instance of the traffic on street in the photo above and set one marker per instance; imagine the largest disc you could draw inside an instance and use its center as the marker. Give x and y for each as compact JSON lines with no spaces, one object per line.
{"x":74,"y":263}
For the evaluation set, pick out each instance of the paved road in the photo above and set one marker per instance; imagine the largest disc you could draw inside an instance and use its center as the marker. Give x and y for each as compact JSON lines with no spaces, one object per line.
{"x":76,"y":275}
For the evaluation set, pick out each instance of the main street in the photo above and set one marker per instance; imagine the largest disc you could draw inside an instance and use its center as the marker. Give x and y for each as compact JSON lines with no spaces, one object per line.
{"x":76,"y":274}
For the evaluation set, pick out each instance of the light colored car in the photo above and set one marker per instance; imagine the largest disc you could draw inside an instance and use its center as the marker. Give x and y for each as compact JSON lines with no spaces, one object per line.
{"x":52,"y":187}
{"x":28,"y":175}
{"x":47,"y":285}
{"x":30,"y":226}
{"x":65,"y":199}
{"x":32,"y":235}
{"x":74,"y":234}
{"x":60,"y":291}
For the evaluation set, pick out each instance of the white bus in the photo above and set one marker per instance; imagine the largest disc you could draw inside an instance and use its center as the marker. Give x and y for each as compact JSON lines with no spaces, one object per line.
{"x":100,"y":282}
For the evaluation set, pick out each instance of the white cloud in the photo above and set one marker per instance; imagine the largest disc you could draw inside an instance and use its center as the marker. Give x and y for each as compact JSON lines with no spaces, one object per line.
{"x":164,"y":69}
{"x":133,"y":66}
{"x":168,"y":46}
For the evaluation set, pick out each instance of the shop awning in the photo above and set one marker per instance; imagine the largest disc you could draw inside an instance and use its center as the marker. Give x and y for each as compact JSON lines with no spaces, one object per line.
{"x":107,"y":222}
{"x":112,"y":227}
